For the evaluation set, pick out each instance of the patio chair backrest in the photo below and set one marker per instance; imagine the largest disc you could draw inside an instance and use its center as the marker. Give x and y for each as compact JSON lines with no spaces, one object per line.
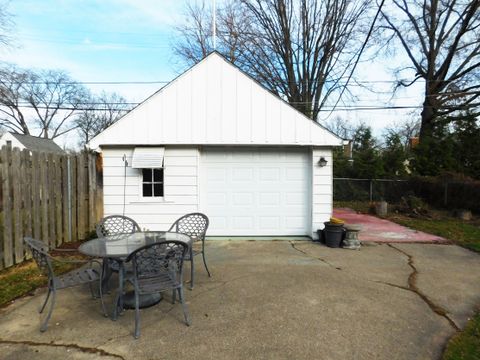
{"x":158,"y":258}
{"x":40,"y":254}
{"x":194,"y":225}
{"x":116,"y":224}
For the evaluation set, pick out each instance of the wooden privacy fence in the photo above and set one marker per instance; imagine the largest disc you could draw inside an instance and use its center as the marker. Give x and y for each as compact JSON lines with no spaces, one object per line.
{"x":54,"y":198}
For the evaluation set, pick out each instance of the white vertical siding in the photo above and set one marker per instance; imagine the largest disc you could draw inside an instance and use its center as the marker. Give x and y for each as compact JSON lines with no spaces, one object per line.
{"x":214,"y":103}
{"x":198,"y":104}
{"x":322,"y":189}
{"x":244,"y":111}
{"x":180,"y":187}
{"x":258,"y":114}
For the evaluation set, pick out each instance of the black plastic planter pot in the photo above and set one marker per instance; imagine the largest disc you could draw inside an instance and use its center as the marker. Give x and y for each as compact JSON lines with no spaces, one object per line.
{"x":321,"y":238}
{"x":333,"y":234}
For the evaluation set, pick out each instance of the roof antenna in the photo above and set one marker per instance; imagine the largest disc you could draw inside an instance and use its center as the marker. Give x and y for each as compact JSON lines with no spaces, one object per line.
{"x":214,"y":26}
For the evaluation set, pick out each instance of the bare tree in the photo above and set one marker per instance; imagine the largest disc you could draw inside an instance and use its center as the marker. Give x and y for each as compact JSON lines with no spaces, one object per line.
{"x":442,"y":41}
{"x":196,"y":39}
{"x":6,"y":23}
{"x":12,"y":116}
{"x":55,"y":97}
{"x":405,"y":130}
{"x":301,"y":50}
{"x":342,"y":128}
{"x":99,"y":113}
{"x":45,"y":100}
{"x":87,"y":120}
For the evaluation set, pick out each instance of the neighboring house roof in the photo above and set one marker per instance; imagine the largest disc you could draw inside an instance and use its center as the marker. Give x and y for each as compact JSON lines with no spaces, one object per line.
{"x":35,"y":143}
{"x":214,"y":103}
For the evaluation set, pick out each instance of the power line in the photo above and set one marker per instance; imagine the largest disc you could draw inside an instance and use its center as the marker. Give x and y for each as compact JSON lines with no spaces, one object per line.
{"x":88,"y":82}
{"x":344,"y":108}
{"x":138,"y":82}
{"x":22,"y":103}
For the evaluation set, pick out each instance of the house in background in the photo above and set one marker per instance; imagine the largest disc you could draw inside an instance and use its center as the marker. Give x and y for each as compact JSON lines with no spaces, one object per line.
{"x":215,"y":141}
{"x":32,"y":143}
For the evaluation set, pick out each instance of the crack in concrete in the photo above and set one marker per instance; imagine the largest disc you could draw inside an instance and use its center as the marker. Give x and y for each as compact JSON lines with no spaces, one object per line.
{"x":84,"y":349}
{"x":313,"y":257}
{"x":221,"y":284}
{"x":412,"y":286}
{"x":391,"y":284}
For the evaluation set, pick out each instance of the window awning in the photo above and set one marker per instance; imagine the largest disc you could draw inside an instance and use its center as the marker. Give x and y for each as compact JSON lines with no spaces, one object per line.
{"x":148,"y":157}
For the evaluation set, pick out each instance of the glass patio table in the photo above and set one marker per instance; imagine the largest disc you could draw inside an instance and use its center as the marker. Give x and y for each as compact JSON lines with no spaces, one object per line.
{"x":117,"y":247}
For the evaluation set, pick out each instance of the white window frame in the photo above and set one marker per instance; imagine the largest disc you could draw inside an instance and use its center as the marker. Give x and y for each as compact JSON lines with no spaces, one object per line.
{"x":149,"y":199}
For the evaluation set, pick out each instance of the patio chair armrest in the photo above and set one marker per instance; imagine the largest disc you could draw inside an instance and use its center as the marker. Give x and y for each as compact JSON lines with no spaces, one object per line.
{"x":96,"y":261}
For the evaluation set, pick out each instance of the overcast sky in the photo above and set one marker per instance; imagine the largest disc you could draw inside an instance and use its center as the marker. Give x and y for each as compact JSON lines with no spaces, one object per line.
{"x":131,"y":40}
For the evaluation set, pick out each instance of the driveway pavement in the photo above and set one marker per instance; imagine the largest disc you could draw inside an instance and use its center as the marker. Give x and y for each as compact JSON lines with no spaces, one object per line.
{"x":273,"y":300}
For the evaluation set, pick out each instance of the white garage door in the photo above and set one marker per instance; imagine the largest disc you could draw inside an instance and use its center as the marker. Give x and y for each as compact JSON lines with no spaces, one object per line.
{"x":256,"y":191}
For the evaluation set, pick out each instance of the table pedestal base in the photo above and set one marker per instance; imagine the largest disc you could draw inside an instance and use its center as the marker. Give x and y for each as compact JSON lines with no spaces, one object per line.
{"x":144,"y":300}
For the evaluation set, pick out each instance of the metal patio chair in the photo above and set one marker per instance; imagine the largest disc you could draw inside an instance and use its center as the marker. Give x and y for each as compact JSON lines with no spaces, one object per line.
{"x":194,"y":225}
{"x":114,"y":225}
{"x":80,"y":276}
{"x":158,"y":267}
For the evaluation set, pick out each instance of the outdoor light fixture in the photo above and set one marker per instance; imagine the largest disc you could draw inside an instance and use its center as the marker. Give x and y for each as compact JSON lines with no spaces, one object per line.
{"x":322,"y":162}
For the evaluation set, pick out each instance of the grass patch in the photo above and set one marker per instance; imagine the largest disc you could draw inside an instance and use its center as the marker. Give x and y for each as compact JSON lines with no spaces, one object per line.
{"x":466,"y":344}
{"x":20,"y":280}
{"x":458,"y":231}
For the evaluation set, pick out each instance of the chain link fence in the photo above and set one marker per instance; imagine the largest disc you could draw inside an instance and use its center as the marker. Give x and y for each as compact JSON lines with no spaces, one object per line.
{"x":437,"y":192}
{"x":348,"y":189}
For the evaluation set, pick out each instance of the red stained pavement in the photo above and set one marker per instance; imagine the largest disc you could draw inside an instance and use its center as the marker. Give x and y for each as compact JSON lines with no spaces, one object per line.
{"x":379,"y":230}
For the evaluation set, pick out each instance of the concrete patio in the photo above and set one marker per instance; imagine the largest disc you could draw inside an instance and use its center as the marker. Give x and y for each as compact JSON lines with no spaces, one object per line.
{"x":273,"y":300}
{"x":376,"y":229}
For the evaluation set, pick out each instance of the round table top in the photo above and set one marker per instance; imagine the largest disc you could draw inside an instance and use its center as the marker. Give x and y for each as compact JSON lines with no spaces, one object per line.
{"x":122,"y":245}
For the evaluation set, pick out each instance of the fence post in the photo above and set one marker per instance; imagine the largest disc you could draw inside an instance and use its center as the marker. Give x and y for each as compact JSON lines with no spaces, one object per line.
{"x":58,"y":200}
{"x":44,"y":196}
{"x":7,"y":206}
{"x":371,"y":190}
{"x":445,"y":194}
{"x":17,"y":205}
{"x":73,"y":197}
{"x":91,"y":191}
{"x":68,"y":194}
{"x":27,"y":188}
{"x":81,"y":209}
{"x":52,"y":241}
{"x":36,"y":209}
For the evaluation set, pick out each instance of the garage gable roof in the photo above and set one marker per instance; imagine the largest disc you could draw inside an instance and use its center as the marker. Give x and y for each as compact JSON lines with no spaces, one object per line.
{"x":214,"y":103}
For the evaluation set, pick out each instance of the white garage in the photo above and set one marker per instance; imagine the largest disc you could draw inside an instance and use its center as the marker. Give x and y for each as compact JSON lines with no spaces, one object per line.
{"x":215,"y":141}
